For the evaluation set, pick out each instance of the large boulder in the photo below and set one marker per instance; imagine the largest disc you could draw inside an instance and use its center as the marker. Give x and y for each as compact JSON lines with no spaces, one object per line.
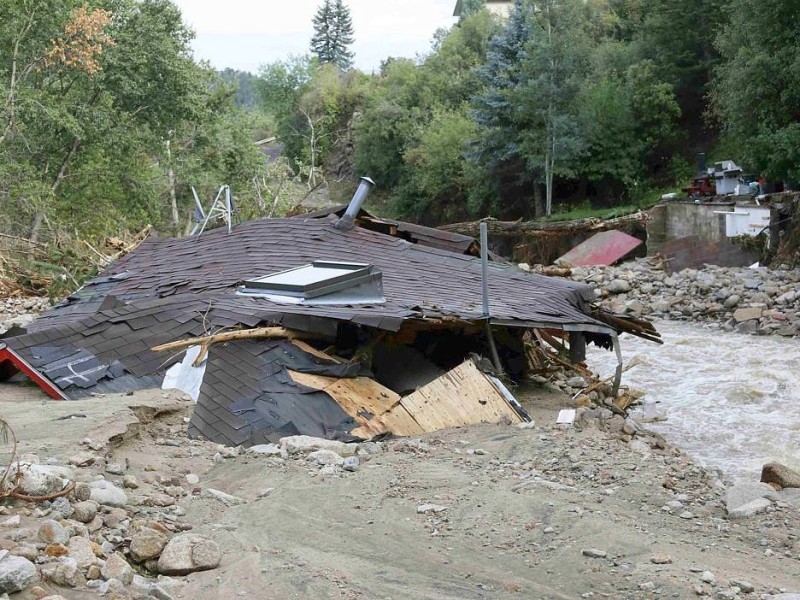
{"x":188,"y":553}
{"x":106,"y":493}
{"x":780,"y":476}
{"x":747,"y":499}
{"x":16,"y":573}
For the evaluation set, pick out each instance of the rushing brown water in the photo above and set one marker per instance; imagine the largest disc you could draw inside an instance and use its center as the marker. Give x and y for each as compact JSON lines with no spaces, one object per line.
{"x":732,"y":401}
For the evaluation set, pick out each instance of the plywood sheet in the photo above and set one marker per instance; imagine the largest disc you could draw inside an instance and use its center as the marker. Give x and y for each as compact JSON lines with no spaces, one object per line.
{"x":360,"y":397}
{"x":463,"y":396}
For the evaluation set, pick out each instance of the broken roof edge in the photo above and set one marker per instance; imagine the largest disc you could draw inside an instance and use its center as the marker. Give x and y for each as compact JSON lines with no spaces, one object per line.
{"x":8,"y":354}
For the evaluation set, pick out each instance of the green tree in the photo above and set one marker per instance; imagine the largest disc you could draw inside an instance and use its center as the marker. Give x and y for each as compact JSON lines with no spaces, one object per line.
{"x":554,"y":67}
{"x":101,"y":105}
{"x":756,"y":93}
{"x":333,"y":34}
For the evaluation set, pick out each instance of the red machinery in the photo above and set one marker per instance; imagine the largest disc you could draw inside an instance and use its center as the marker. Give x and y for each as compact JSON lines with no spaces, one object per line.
{"x":701,"y":186}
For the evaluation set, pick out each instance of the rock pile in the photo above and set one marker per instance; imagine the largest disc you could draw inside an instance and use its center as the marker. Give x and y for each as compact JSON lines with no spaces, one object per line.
{"x":754,"y":301}
{"x":20,"y":311}
{"x":92,"y":537}
{"x":113,"y":531}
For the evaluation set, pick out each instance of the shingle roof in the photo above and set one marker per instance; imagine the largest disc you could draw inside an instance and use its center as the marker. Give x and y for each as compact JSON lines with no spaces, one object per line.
{"x":419,"y":282}
{"x":99,"y":338}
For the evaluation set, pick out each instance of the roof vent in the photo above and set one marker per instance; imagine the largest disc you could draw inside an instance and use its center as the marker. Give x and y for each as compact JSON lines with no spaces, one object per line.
{"x":347,"y":222}
{"x":321,"y":282}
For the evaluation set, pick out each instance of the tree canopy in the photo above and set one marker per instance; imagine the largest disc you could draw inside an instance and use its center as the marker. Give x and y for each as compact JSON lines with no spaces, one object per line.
{"x":333,"y":34}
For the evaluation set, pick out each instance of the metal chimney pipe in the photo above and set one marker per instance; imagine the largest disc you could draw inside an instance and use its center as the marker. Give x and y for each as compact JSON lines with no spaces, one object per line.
{"x":484,"y":228}
{"x":701,"y":164}
{"x":347,"y":222}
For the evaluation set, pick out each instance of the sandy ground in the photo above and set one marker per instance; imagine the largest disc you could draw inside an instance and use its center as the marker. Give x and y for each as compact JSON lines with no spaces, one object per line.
{"x":522,"y":507}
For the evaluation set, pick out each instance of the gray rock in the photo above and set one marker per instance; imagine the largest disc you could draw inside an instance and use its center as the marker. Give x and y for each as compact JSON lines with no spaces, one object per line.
{"x":60,"y":508}
{"x":576,"y":382}
{"x":40,"y":480}
{"x":350,"y":464}
{"x":750,"y":509}
{"x":52,"y":532}
{"x":268,"y":450}
{"x":112,"y":586}
{"x":745,"y":586}
{"x":707,"y":577}
{"x":744,"y":493}
{"x":11,"y":522}
{"x":117,"y":567}
{"x":65,"y":573}
{"x":301,"y":444}
{"x":780,"y":475}
{"x":618,"y":286}
{"x":130,"y":482}
{"x":147,"y":544}
{"x":188,"y":553}
{"x":106,"y":493}
{"x":424,"y":509}
{"x":85,"y":511}
{"x":594,"y":553}
{"x":16,"y":573}
{"x":115,"y":469}
{"x":80,"y":548}
{"x":325,"y":457}
{"x":226,"y":499}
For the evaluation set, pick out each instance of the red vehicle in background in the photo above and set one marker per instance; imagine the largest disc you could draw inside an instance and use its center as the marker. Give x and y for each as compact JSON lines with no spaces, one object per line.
{"x":701,"y":186}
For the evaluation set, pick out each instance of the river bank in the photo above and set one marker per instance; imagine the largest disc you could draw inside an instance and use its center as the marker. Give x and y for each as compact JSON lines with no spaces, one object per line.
{"x":757,"y":301}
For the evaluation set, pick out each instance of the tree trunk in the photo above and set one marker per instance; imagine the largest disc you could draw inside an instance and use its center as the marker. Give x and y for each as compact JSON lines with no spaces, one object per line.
{"x":173,"y":197}
{"x":538,"y":200}
{"x":41,"y":217}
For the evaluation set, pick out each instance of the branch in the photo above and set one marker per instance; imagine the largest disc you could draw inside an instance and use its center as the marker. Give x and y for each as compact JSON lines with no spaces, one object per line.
{"x":242,"y":334}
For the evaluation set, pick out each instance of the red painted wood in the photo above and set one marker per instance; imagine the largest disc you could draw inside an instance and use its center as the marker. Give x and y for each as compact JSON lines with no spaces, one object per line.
{"x":8,"y":355}
{"x":604,"y":248}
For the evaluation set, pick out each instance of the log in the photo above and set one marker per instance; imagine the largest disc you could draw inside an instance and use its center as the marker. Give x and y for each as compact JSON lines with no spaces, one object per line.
{"x":261,"y":333}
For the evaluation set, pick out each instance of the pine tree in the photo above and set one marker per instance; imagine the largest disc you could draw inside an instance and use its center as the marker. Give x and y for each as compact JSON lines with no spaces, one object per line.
{"x":333,"y":34}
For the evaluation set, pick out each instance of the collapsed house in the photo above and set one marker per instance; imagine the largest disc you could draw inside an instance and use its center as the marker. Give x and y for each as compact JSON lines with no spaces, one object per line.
{"x":333,"y":326}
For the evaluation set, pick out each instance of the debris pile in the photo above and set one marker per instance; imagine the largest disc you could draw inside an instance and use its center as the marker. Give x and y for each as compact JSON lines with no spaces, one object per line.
{"x":748,"y":300}
{"x":20,"y":311}
{"x":87,"y":521}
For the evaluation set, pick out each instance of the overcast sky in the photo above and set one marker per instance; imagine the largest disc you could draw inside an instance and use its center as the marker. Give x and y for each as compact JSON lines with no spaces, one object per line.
{"x":244,"y":34}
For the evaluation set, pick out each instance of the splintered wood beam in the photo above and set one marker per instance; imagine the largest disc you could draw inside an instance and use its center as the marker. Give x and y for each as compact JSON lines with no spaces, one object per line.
{"x":259,"y":333}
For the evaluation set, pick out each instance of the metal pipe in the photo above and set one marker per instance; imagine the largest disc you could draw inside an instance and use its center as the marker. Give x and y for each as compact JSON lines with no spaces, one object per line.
{"x":347,"y":222}
{"x":485,"y":266}
{"x":485,"y":293}
{"x":618,"y":373}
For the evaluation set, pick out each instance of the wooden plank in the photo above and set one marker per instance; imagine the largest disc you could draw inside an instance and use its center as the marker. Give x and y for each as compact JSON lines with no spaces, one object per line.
{"x":361,"y":397}
{"x":315,"y":382}
{"x":462,"y":396}
{"x":309,"y":349}
{"x":398,"y":422}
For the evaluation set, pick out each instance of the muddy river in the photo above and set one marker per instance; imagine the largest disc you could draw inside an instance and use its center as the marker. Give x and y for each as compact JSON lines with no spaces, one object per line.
{"x":731,"y":401}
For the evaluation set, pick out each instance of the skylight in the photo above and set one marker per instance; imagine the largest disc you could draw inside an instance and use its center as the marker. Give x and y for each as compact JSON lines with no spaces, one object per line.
{"x":321,"y":282}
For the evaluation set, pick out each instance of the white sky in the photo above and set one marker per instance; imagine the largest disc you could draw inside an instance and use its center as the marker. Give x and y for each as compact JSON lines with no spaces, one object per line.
{"x":244,"y":34}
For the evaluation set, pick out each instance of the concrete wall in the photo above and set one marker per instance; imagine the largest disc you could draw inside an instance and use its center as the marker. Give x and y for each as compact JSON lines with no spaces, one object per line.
{"x":691,"y":235}
{"x":676,"y":220}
